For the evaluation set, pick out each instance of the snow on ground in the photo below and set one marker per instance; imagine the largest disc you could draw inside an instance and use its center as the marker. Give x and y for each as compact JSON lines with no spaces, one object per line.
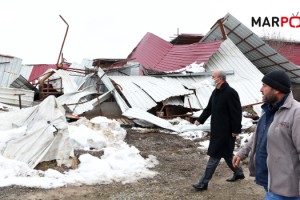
{"x":246,"y":123}
{"x":120,"y":162}
{"x":6,"y":108}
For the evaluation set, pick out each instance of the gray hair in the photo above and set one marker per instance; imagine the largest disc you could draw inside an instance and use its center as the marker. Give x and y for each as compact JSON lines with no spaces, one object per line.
{"x":222,"y":75}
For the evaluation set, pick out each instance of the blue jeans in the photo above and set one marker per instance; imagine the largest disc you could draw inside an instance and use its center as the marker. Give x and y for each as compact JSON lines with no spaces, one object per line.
{"x":211,"y":166}
{"x":272,"y":196}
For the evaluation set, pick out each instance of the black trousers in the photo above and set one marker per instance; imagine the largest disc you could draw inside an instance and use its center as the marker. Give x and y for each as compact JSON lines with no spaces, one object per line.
{"x":211,"y":166}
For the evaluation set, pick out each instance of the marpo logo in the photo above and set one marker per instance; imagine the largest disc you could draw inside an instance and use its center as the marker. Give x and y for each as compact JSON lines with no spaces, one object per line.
{"x":293,"y":21}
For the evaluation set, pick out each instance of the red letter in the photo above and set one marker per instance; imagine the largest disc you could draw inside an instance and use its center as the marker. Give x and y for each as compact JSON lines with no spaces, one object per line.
{"x":291,"y":24}
{"x":284,"y":20}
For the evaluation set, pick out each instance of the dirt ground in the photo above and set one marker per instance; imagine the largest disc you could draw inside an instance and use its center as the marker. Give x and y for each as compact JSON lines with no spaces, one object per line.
{"x":181,"y":164}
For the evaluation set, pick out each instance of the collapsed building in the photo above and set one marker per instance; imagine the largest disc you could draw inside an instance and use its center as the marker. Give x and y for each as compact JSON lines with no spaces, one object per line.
{"x":157,"y":81}
{"x":229,"y":45}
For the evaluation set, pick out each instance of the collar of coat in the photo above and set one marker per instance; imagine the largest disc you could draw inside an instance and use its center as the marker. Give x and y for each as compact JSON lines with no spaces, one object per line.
{"x":223,"y":86}
{"x":289,"y":100}
{"x":286,"y":102}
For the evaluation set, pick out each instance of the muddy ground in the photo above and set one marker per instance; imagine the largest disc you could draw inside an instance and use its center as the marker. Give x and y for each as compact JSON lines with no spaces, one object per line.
{"x":180,"y":165}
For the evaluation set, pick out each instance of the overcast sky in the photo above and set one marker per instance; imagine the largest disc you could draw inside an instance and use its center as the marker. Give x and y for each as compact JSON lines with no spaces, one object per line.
{"x":33,"y":31}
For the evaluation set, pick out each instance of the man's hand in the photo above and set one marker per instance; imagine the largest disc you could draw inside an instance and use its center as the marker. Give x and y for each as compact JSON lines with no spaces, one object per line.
{"x":197,"y":123}
{"x":236,"y":161}
{"x":234,"y":134}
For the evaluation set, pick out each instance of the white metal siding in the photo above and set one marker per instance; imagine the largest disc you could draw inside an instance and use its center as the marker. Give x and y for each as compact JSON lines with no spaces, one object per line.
{"x":143,"y":91}
{"x":10,"y":96}
{"x":26,"y":71}
{"x":246,"y":78}
{"x":135,"y":96}
{"x":9,"y":70}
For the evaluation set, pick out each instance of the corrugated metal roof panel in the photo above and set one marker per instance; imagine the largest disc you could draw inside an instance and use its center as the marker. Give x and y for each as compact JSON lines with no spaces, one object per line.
{"x":26,"y":71}
{"x":11,"y":96}
{"x":91,"y":80}
{"x":182,"y":55}
{"x":108,"y":84}
{"x":140,"y":91}
{"x":87,"y":62}
{"x":74,"y":97}
{"x":68,"y":84}
{"x":83,"y":107}
{"x":150,"y":50}
{"x":129,"y":69}
{"x":143,"y":115}
{"x":21,"y":82}
{"x":79,"y":77}
{"x":168,"y":88}
{"x":38,"y":70}
{"x":135,"y":96}
{"x":193,"y":101}
{"x":203,"y":93}
{"x":246,"y":78}
{"x":10,"y":68}
{"x":159,"y":89}
{"x":159,"y":55}
{"x":290,"y":50}
{"x":186,"y":81}
{"x":255,"y":49}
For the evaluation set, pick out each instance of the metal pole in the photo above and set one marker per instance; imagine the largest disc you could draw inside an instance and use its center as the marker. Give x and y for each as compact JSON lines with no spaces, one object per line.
{"x":20,"y":100}
{"x":63,"y":40}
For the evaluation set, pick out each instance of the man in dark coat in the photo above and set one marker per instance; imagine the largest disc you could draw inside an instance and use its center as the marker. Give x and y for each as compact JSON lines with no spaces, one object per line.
{"x":225,"y":110}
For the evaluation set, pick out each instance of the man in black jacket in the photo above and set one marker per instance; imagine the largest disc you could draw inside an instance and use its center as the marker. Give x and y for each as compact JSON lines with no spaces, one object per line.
{"x":225,"y":110}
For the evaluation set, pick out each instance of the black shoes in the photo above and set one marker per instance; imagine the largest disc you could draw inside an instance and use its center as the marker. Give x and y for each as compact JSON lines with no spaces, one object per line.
{"x":200,"y":187}
{"x":235,"y":178}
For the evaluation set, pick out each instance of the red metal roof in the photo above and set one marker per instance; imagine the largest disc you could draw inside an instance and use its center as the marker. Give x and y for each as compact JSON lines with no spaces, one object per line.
{"x":38,"y":70}
{"x":157,"y":54}
{"x":289,"y":50}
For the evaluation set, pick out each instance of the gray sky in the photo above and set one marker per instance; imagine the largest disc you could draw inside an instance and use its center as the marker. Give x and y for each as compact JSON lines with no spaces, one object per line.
{"x":33,"y":31}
